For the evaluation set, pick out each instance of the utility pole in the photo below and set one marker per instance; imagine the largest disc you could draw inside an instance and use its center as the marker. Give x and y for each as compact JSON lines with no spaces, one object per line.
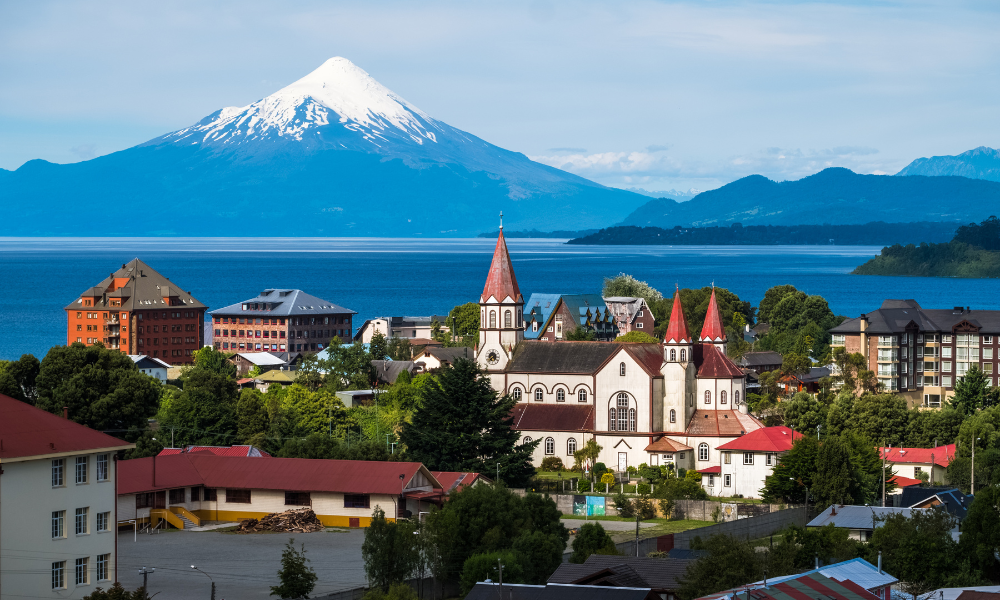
{"x":500,"y":566}
{"x":637,"y":531}
{"x":145,"y":575}
{"x":209,"y":578}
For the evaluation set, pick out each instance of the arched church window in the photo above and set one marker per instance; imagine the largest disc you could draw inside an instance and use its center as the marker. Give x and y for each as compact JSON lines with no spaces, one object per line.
{"x":708,"y":397}
{"x":526,"y":440}
{"x":582,"y":395}
{"x":570,"y":446}
{"x":612,"y":419}
{"x":621,"y":369}
{"x":673,"y":416}
{"x":493,"y":319}
{"x":538,"y":394}
{"x":722,"y":397}
{"x":550,"y":446}
{"x":703,"y":451}
{"x":736,"y":397}
{"x":516,"y":393}
{"x":507,"y":319}
{"x":631,"y":419}
{"x":683,"y":355}
{"x":560,"y":395}
{"x":623,"y":412}
{"x":673,"y":355}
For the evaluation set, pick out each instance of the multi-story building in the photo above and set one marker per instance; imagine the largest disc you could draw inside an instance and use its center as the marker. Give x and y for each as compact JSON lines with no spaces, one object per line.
{"x":58,"y":516}
{"x":551,"y":317}
{"x":138,"y":311}
{"x":747,"y":461}
{"x":922,"y":353}
{"x":631,"y":314}
{"x":280,"y":321}
{"x":419,"y":329}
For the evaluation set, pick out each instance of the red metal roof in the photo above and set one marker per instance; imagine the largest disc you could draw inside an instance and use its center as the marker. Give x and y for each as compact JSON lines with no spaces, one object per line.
{"x":649,"y":356}
{"x":453,"y":480}
{"x":552,"y":417}
{"x":767,"y":439}
{"x":677,"y":330}
{"x":239,"y":450}
{"x":902,"y":482}
{"x":28,"y":431}
{"x":721,"y":423}
{"x":289,"y":474}
{"x":713,"y":364}
{"x":713,"y":330}
{"x":711,"y":470}
{"x":942,"y":455}
{"x":501,"y":282}
{"x":665,"y":444}
{"x":807,"y":586}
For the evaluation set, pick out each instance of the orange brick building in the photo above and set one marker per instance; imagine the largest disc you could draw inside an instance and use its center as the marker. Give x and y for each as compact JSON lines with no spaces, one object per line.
{"x":138,"y":311}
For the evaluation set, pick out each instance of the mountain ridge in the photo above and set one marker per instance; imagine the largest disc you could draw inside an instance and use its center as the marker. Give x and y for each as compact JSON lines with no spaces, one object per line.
{"x":979,"y":163}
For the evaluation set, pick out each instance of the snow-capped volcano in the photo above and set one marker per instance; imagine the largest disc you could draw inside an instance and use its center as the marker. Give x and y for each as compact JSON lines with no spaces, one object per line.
{"x":334,"y":153}
{"x":338,"y":94}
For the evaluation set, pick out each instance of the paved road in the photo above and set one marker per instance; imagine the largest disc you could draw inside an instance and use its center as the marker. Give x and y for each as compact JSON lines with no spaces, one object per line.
{"x":243,"y":566}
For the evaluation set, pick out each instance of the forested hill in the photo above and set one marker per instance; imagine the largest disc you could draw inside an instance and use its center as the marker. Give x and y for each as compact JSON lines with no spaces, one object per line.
{"x":833,"y":195}
{"x":974,"y":252}
{"x":874,"y":234}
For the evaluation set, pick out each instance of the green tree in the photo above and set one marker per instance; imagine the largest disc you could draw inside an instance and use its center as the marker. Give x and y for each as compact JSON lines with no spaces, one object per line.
{"x":389,"y":551}
{"x":587,"y":454}
{"x":981,"y":533}
{"x":539,"y":553}
{"x":399,"y":349}
{"x":731,"y":562}
{"x":480,"y":567}
{"x":17,"y":378}
{"x":853,"y":373}
{"x":210,"y":359}
{"x":146,"y":445}
{"x":591,"y":539}
{"x":804,"y":412}
{"x":973,"y":392}
{"x":297,"y":578}
{"x":117,"y":592}
{"x":397,"y":591}
{"x":252,"y":422}
{"x":834,"y":480}
{"x":637,"y":336}
{"x":830,"y":544}
{"x":378,"y":348}
{"x":882,"y":418}
{"x":932,"y":428}
{"x":630,"y":287}
{"x":102,"y":388}
{"x":793,"y":473}
{"x":580,"y":334}
{"x":205,"y":412}
{"x":464,"y":320}
{"x":465,"y":425}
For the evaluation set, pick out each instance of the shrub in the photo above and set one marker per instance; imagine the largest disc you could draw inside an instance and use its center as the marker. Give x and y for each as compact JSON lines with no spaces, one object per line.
{"x":608,"y":478}
{"x":552,"y":463}
{"x":642,"y":488}
{"x":480,"y":567}
{"x":694,"y":476}
{"x":397,"y":591}
{"x":591,"y":539}
{"x":600,"y":468}
{"x":583,"y":485}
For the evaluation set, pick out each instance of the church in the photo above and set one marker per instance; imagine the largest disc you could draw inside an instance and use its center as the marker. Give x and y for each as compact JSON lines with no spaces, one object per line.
{"x":673,"y":402}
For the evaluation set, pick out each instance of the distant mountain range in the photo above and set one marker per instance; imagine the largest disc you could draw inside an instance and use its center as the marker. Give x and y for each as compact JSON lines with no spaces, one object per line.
{"x":672,"y":194}
{"x":979,"y":163}
{"x":333,"y":154}
{"x":836,"y":196}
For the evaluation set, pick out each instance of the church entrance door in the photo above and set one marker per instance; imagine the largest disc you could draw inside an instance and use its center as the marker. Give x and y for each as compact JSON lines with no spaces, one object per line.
{"x":622,"y":461}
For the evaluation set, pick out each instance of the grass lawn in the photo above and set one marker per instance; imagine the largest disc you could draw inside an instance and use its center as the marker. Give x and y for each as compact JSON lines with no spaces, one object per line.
{"x":661,"y":527}
{"x":566,"y":475}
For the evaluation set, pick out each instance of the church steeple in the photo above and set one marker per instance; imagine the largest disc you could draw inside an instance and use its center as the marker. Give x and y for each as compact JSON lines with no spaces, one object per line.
{"x":677,"y":329}
{"x":501,"y":282}
{"x":713,"y":332}
{"x":501,"y":325}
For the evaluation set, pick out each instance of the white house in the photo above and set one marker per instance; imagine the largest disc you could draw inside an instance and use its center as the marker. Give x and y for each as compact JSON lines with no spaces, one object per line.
{"x":747,"y":461}
{"x":912,"y":462}
{"x":57,"y":505}
{"x":151,"y":366}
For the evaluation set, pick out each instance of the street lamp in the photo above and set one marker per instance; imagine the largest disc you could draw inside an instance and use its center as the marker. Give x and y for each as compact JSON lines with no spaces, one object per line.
{"x":209,"y":578}
{"x":145,"y":574}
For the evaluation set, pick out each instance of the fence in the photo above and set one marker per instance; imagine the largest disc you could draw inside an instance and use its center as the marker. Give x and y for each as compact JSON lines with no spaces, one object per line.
{"x":750,"y":528}
{"x":426,"y":589}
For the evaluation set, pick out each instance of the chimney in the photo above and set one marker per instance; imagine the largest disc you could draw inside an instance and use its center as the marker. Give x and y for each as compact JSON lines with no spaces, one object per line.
{"x":66,"y":412}
{"x":879,"y":561}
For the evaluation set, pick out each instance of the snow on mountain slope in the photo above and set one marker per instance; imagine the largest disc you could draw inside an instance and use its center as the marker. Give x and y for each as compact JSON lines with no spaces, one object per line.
{"x":338,"y":93}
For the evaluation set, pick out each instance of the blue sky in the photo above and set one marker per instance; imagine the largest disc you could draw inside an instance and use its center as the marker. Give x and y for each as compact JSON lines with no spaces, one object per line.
{"x":657,"y":95}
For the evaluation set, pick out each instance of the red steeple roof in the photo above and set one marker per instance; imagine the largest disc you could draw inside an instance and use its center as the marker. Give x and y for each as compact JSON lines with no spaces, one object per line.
{"x":501,"y":282}
{"x":713,"y":329}
{"x":677,"y":329}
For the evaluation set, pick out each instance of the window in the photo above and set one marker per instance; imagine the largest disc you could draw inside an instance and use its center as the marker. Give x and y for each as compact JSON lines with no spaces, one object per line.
{"x":680,"y":456}
{"x":673,"y":355}
{"x":143,"y":500}
{"x":838,"y":339}
{"x":673,"y":416}
{"x":538,"y":394}
{"x":59,"y":575}
{"x":683,"y":355}
{"x":298,"y":499}
{"x":987,"y":339}
{"x":82,"y":571}
{"x":550,"y":446}
{"x":570,"y":446}
{"x":238,"y":496}
{"x":708,"y":397}
{"x":210,"y":495}
{"x":711,"y":481}
{"x":357,"y":501}
{"x":82,"y":462}
{"x":507,"y":321}
{"x":703,"y":451}
{"x":770,"y":459}
{"x":526,"y":440}
{"x":103,"y":566}
{"x":722,"y":397}
{"x":727,"y":480}
{"x":516,"y":393}
{"x":104,"y":521}
{"x":534,"y":325}
{"x":726,"y":457}
{"x":581,"y":396}
{"x":987,"y":353}
{"x":946,"y":380}
{"x":493,"y":319}
{"x":58,"y":466}
{"x":631,"y":419}
{"x":638,"y":325}
{"x":748,"y":458}
{"x":177,"y":496}
{"x":736,"y":398}
{"x":560,"y":395}
{"x":623,"y":412}
{"x":621,"y":369}
{"x":612,"y":419}
{"x":59,"y":524}
{"x":82,"y":522}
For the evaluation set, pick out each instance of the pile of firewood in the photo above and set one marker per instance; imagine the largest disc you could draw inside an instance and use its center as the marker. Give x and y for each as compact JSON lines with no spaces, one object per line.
{"x":293,"y":521}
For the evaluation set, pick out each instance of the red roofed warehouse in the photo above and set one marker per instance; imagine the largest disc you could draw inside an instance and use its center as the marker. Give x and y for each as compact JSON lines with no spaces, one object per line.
{"x":748,"y":460}
{"x":200,"y":485}
{"x":57,"y":504}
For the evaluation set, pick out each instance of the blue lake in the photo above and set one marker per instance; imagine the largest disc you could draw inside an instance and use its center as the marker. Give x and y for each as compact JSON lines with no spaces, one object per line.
{"x":378,"y":277}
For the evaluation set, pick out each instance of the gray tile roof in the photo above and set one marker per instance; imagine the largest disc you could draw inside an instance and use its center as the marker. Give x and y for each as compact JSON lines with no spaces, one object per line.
{"x":560,"y":357}
{"x":894,"y":316}
{"x":754,"y":359}
{"x":554,"y":591}
{"x":283,"y":303}
{"x":146,"y":289}
{"x":857,"y":517}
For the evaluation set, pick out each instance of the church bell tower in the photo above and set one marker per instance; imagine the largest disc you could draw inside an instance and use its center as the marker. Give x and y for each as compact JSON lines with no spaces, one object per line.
{"x":501,"y":326}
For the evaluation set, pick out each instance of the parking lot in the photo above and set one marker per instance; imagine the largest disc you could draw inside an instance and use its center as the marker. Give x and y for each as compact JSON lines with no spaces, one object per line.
{"x":242,"y":566}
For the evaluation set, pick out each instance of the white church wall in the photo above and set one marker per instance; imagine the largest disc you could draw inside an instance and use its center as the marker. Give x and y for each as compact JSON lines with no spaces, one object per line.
{"x":550,"y":384}
{"x":636,"y":382}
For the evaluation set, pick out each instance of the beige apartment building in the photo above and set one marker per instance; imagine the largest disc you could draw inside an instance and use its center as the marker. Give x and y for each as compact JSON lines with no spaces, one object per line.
{"x":922,"y":353}
{"x":57,"y":505}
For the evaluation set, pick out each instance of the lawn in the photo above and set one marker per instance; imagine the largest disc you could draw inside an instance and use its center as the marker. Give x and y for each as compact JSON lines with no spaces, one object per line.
{"x":660,"y":527}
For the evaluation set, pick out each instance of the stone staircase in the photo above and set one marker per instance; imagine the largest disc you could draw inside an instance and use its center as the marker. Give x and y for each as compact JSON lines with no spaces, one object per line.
{"x":187,"y":524}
